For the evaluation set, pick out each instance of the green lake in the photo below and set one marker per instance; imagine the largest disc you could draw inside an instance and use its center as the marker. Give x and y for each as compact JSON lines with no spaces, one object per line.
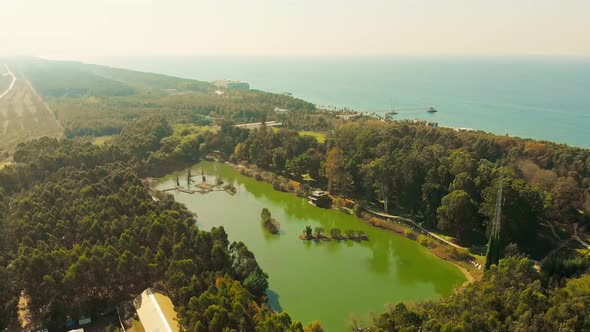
{"x":333,"y":282}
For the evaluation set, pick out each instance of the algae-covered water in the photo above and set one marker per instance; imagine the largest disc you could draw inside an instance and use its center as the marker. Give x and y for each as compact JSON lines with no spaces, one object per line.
{"x":333,"y":282}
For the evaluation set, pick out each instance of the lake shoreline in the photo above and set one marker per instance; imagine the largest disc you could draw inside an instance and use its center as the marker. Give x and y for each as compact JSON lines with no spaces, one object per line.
{"x":468,"y":270}
{"x":397,"y":270}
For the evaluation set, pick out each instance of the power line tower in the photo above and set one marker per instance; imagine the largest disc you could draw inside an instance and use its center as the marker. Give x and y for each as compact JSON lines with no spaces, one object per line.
{"x":494,"y":243}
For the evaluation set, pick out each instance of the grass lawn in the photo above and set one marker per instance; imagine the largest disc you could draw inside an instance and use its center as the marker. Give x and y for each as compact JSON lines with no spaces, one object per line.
{"x":101,"y":140}
{"x":319,"y":136}
{"x":137,"y":327}
{"x":183,"y":129}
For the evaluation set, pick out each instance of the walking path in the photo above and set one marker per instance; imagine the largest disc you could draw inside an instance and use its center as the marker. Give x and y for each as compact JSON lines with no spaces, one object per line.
{"x":11,"y":83}
{"x":390,"y":216}
{"x":577,"y":238}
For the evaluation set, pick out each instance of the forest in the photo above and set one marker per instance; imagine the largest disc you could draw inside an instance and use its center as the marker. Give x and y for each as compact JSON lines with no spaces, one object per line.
{"x":80,"y":232}
{"x":444,"y":178}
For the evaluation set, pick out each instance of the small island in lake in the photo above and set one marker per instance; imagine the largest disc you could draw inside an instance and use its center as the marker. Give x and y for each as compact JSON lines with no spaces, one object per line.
{"x":269,"y":222}
{"x":230,"y":189}
{"x":335,"y":234}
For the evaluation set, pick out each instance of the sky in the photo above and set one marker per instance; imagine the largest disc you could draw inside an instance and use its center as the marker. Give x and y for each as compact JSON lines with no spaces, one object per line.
{"x":82,"y":28}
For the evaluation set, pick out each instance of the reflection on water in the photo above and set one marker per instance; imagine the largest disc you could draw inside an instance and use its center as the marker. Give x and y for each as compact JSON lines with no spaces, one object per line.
{"x":273,"y":300}
{"x":325,"y":280}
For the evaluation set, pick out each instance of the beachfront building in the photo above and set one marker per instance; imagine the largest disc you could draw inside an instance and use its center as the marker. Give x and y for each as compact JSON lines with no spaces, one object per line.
{"x":156,"y":312}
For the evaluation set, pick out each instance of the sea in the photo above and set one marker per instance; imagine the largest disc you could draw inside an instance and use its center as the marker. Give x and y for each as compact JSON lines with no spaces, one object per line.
{"x":539,"y":97}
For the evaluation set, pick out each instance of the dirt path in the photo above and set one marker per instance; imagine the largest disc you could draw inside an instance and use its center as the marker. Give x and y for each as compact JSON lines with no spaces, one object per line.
{"x":25,"y":116}
{"x":11,"y":83}
{"x":46,"y":105}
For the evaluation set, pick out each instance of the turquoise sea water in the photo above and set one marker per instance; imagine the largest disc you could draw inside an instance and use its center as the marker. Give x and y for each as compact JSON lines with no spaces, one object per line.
{"x":538,"y":97}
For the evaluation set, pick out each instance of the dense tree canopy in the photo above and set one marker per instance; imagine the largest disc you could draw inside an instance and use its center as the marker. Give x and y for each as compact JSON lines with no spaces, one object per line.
{"x":415,"y":167}
{"x":80,"y":233}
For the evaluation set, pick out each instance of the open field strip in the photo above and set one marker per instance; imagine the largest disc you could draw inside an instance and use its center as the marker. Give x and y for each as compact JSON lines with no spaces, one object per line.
{"x":24,"y":116}
{"x":11,"y":83}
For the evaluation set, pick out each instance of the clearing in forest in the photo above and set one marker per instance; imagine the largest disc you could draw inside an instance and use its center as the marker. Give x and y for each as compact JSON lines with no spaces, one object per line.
{"x":24,"y":116}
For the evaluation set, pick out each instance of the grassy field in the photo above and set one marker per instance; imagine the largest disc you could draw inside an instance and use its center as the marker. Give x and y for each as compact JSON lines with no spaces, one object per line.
{"x":136,"y":327}
{"x":24,"y":116}
{"x":102,"y":140}
{"x":4,"y":79}
{"x":182,"y":129}
{"x":319,"y":136}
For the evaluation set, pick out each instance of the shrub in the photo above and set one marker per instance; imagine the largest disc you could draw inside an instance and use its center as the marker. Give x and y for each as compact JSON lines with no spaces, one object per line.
{"x":409,"y":233}
{"x":424,"y":240}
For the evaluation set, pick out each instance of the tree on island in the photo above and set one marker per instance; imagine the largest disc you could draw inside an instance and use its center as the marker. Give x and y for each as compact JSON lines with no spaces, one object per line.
{"x":269,"y":222}
{"x":350,"y":234}
{"x":265,"y":214}
{"x":336,"y":233}
{"x":307,"y":232}
{"x":318,"y":231}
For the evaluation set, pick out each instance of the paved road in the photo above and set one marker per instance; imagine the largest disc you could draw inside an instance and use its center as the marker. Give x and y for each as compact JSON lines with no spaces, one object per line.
{"x":11,"y":83}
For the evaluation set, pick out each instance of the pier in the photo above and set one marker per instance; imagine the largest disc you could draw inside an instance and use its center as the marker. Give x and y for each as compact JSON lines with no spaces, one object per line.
{"x":181,"y":189}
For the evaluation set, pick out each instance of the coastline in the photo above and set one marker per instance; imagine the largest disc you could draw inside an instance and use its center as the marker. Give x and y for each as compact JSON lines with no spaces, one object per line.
{"x":322,"y":81}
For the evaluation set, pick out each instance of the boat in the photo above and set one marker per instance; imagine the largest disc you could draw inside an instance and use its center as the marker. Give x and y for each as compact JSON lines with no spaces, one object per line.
{"x":431,"y":110}
{"x":391,"y":113}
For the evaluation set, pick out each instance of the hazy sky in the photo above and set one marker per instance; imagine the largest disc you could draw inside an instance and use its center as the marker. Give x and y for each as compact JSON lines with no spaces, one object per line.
{"x":79,"y":28}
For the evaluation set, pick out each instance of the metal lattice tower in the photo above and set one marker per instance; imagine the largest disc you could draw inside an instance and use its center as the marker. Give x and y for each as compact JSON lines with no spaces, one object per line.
{"x":496,"y":226}
{"x":494,"y":244}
